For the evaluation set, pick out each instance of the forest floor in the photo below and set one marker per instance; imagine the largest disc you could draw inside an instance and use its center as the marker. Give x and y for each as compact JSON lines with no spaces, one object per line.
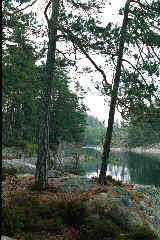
{"x":15,"y":186}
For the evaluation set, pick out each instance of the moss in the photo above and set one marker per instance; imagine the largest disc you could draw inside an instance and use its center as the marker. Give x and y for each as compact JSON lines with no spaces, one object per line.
{"x":143,"y":233}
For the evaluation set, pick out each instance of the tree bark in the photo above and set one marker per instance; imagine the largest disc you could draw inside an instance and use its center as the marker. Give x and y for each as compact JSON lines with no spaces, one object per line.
{"x":108,"y":137}
{"x":43,"y":158}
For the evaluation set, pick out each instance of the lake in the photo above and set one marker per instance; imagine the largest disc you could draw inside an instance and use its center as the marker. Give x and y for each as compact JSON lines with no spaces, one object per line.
{"x":130,"y":167}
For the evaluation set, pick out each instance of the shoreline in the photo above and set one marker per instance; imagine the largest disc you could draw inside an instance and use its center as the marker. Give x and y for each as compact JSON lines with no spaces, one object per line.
{"x":137,"y":150}
{"x":121,"y":149}
{"x":145,"y":150}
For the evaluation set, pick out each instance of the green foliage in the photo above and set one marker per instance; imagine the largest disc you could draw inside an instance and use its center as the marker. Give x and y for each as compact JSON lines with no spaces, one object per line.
{"x":30,"y":149}
{"x":50,"y":225}
{"x":73,"y":213}
{"x":25,"y":214}
{"x":11,"y":223}
{"x":144,"y":127}
{"x":119,"y":136}
{"x":26,"y":236}
{"x":20,"y":79}
{"x":143,"y":233}
{"x":23,"y":88}
{"x":94,"y":131}
{"x":11,"y":171}
{"x":23,"y":84}
{"x":139,"y":86}
{"x":70,"y":114}
{"x":29,"y":216}
{"x":96,"y":229}
{"x":22,"y":199}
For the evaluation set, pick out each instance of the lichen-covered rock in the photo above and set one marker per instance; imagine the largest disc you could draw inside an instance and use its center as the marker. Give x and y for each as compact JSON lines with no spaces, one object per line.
{"x":129,"y":207}
{"x":150,"y":206}
{"x":114,"y":207}
{"x":78,"y":184}
{"x":126,"y":218}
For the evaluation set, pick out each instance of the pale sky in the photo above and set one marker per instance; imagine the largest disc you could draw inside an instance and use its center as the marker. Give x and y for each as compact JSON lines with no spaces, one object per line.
{"x":93,"y":100}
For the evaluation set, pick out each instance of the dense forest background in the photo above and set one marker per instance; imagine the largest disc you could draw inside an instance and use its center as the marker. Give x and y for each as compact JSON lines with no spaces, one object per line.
{"x":23,"y":90}
{"x":38,"y":104}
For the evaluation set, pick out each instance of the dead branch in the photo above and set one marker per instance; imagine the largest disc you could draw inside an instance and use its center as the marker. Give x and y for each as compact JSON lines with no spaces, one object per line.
{"x":76,"y":41}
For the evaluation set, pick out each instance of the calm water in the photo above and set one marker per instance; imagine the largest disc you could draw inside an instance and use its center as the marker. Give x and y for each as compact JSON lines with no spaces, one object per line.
{"x":139,"y":168}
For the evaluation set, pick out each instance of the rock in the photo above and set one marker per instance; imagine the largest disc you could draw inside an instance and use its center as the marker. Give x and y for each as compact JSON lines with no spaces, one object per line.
{"x":78,"y":184}
{"x":126,"y":218}
{"x":7,"y":238}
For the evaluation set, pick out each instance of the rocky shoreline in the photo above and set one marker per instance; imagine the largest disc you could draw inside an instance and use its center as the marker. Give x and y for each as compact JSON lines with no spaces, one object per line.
{"x":145,"y":150}
{"x":136,"y":204}
{"x":140,"y":204}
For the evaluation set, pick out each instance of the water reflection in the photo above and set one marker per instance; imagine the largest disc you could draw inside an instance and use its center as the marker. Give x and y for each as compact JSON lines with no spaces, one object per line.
{"x":129,"y":167}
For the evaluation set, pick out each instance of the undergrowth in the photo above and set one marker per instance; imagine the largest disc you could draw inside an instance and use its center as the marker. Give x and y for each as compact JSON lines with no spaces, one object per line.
{"x":11,"y":171}
{"x":25,"y":217}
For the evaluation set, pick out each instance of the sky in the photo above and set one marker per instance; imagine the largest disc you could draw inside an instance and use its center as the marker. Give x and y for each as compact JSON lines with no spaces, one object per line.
{"x":93,"y":100}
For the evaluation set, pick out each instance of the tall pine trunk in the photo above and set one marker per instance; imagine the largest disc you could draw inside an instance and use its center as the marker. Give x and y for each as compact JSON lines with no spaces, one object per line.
{"x":108,"y":137}
{"x":41,"y":177}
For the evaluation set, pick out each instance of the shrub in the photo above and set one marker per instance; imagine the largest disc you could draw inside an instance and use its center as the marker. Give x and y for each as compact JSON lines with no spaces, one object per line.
{"x":27,"y":208}
{"x":49,"y":210}
{"x":10,"y":171}
{"x":51,"y":224}
{"x":25,"y":213}
{"x":74,"y":213}
{"x":31,"y":148}
{"x":143,"y":233}
{"x":11,"y":223}
{"x":24,"y":200}
{"x":27,"y":236}
{"x":96,"y":229}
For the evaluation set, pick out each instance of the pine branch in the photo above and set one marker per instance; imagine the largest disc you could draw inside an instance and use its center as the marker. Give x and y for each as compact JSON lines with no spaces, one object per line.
{"x":20,"y":10}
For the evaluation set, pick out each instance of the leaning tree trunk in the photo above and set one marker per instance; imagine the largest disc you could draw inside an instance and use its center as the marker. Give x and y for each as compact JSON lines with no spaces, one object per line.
{"x":41,"y":177}
{"x":108,"y":137}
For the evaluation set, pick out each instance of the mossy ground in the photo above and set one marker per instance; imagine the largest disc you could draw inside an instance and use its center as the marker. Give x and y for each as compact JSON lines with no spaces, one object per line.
{"x":56,"y":215}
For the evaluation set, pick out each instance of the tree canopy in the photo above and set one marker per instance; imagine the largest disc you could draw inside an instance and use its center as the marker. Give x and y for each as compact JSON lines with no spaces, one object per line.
{"x":40,"y":95}
{"x":23,"y":89}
